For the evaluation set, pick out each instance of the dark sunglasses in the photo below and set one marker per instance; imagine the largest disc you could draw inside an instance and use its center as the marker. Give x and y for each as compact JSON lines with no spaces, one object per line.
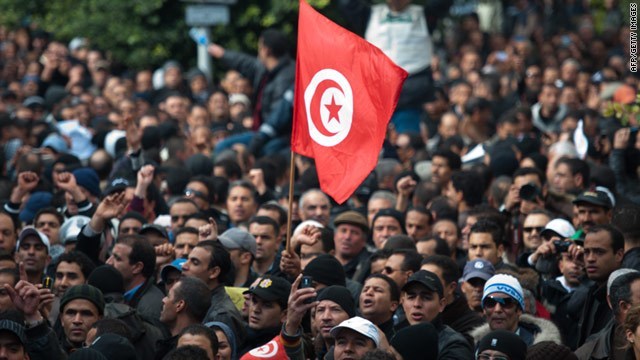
{"x":507,"y":303}
{"x":528,"y":229}
{"x":196,"y":193}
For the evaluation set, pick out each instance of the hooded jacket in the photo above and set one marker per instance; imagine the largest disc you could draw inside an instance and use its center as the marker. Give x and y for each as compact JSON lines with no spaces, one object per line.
{"x":531,"y":329}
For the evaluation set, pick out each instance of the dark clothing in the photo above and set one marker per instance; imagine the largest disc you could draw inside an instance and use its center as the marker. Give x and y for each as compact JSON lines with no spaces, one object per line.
{"x":148,"y":300}
{"x":556,"y":300}
{"x":595,"y":313}
{"x":451,"y":344}
{"x":257,"y":338}
{"x":358,"y":268}
{"x":164,"y":346}
{"x":387,"y":328}
{"x":461,"y":318}
{"x":631,"y":259}
{"x":609,"y":343}
{"x":626,"y":187}
{"x":42,"y":344}
{"x":224,"y":310}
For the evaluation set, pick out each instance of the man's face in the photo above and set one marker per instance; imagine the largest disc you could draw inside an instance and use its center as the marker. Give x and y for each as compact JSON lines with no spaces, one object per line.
{"x":8,"y":236}
{"x":448,"y":231}
{"x":376,"y":205}
{"x":77,"y":317}
{"x":502,"y":317}
{"x":5,"y":300}
{"x":264,"y":314}
{"x":327,"y":315}
{"x":417,"y":225}
{"x":375,"y":301}
{"x":129,"y":226}
{"x":49,"y":225}
{"x":199,"y":193}
{"x":599,"y":258}
{"x":533,"y":225}
{"x":33,"y":253}
{"x":68,"y":274}
{"x":176,"y":107}
{"x":383,"y":228}
{"x":571,"y":270}
{"x":200,"y":341}
{"x":393,"y":269}
{"x":310,"y":252}
{"x":241,"y":204}
{"x":591,"y":215}
{"x":266,"y":241}
{"x":316,"y":207}
{"x":563,"y":180}
{"x":169,"y":312}
{"x":197,"y":264}
{"x":440,"y":170}
{"x":351,"y":345}
{"x":421,"y":304}
{"x":472,"y":290}
{"x":119,"y":259}
{"x":482,"y":246}
{"x":185,"y":242}
{"x":11,"y":348}
{"x":548,"y":98}
{"x":349,"y":240}
{"x":180,"y":212}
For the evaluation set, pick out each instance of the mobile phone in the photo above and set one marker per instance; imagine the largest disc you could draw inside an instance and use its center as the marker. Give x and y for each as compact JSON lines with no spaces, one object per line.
{"x":47,"y":282}
{"x":561,"y":246}
{"x":307,"y":282}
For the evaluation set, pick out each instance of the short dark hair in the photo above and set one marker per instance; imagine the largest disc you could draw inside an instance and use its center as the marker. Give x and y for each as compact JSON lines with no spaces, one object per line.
{"x":183,"y":200}
{"x":491,"y":227}
{"x":199,"y":329}
{"x":411,"y":260}
{"x":247,"y":185}
{"x":393,"y":287}
{"x":220,"y":188}
{"x":187,"y":230}
{"x":14,"y":220}
{"x":80,"y":258}
{"x":274,"y":206}
{"x":441,"y":245}
{"x":453,"y":159}
{"x":276,"y":41}
{"x":422,"y":210}
{"x":380,"y":254}
{"x":13,"y":273}
{"x":617,"y":239}
{"x":112,"y":326}
{"x":141,"y":251}
{"x":132,"y":215}
{"x":470,"y":185}
{"x":265,"y":220}
{"x":326,"y":236}
{"x":196,"y":295}
{"x":219,"y":256}
{"x":231,"y":168}
{"x":188,"y":352}
{"x":626,"y":218}
{"x":529,"y":171}
{"x":450,"y":270}
{"x":620,"y":290}
{"x":576,"y":166}
{"x":49,"y":210}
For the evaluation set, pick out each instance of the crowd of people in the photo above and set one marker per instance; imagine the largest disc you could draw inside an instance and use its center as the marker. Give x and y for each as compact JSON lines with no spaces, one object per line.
{"x":144,"y":211}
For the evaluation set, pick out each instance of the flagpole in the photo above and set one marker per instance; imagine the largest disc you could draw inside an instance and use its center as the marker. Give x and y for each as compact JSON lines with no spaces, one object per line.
{"x":289,"y":213}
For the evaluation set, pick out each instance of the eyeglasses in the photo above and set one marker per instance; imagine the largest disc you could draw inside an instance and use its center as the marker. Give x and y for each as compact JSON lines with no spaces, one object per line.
{"x":196,"y":193}
{"x":389,"y":270}
{"x":175,"y":218}
{"x":491,"y":357}
{"x":529,"y":229}
{"x":506,"y":303}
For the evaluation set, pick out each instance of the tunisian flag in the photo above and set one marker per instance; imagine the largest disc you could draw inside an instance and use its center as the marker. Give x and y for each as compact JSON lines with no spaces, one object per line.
{"x":345,"y":93}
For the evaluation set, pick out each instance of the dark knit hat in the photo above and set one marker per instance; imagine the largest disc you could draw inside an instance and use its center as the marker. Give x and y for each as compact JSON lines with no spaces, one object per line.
{"x":548,"y":350}
{"x":114,"y":347}
{"x":417,"y":342}
{"x":326,"y":269}
{"x":390,"y":213}
{"x":14,"y":328}
{"x":107,"y":279}
{"x":88,"y":179}
{"x":86,"y":292}
{"x":341,"y":296}
{"x":506,"y":342}
{"x":86,"y":354}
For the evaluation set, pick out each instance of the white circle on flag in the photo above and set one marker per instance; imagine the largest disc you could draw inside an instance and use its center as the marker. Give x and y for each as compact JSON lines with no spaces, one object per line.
{"x":267,"y":350}
{"x":339,"y":99}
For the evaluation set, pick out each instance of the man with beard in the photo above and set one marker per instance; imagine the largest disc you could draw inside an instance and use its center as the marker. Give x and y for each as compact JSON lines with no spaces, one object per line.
{"x":593,"y":208}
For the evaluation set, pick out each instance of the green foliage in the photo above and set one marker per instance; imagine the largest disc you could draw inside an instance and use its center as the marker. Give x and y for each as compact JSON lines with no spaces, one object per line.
{"x":627,"y":115}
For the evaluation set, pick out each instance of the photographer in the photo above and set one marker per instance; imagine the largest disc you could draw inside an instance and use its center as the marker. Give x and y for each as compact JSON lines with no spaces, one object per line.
{"x":555,"y":240}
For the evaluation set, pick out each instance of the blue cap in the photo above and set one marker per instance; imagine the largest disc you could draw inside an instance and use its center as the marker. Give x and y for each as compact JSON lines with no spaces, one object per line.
{"x":38,"y":200}
{"x":175,"y":265}
{"x":88,"y":179}
{"x":478,"y":268}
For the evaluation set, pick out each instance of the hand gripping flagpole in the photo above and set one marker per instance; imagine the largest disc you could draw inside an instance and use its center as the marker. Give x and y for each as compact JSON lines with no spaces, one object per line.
{"x":291,"y":167}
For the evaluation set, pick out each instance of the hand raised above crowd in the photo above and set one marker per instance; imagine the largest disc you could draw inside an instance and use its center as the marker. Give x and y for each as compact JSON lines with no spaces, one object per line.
{"x":209,"y":231}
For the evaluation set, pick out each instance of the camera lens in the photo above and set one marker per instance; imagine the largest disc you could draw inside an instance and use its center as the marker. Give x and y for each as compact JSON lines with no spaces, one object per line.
{"x":529,"y":192}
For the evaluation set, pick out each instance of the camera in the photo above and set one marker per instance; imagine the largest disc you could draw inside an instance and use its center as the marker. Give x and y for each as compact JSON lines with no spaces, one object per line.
{"x":529,"y":192}
{"x":561,"y":246}
{"x":307,"y":282}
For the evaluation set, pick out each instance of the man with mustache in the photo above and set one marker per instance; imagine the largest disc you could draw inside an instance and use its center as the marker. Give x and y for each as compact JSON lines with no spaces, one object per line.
{"x":592,"y":208}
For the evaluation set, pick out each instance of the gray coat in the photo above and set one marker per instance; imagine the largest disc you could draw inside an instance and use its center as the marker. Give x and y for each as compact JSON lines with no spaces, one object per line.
{"x":224,"y":310}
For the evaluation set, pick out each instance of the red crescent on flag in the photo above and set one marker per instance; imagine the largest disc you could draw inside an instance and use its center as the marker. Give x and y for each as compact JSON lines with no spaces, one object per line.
{"x":315,"y":105}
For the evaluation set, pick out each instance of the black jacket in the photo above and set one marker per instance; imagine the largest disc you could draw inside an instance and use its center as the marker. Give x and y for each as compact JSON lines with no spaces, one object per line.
{"x":563,"y":311}
{"x":631,"y":259}
{"x":42,"y":344}
{"x":224,"y":310}
{"x":461,"y":318}
{"x":595,"y":313}
{"x":451,"y":344}
{"x":609,"y":343}
{"x":148,"y":300}
{"x":257,"y":338}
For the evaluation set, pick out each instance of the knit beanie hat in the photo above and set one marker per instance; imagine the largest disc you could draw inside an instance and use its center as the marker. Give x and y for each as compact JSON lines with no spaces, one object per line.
{"x":506,"y":342}
{"x":86,"y":292}
{"x":88,"y":179}
{"x":548,"y":350}
{"x":114,"y":347}
{"x":505,"y":284}
{"x":326,"y":269}
{"x":390,"y":213}
{"x":341,"y":296}
{"x":86,"y":354}
{"x":107,"y":279}
{"x":417,"y":342}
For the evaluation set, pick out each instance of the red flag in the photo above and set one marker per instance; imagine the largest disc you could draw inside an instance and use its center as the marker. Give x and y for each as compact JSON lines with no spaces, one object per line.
{"x":345,"y":93}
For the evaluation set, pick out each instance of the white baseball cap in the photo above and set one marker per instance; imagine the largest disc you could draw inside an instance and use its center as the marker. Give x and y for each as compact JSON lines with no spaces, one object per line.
{"x":31,"y":231}
{"x":561,"y":227}
{"x":361,"y":326}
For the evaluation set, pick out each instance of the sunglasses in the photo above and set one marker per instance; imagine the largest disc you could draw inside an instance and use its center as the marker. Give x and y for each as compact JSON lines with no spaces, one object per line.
{"x":506,"y":303}
{"x":196,"y":193}
{"x":529,"y":229}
